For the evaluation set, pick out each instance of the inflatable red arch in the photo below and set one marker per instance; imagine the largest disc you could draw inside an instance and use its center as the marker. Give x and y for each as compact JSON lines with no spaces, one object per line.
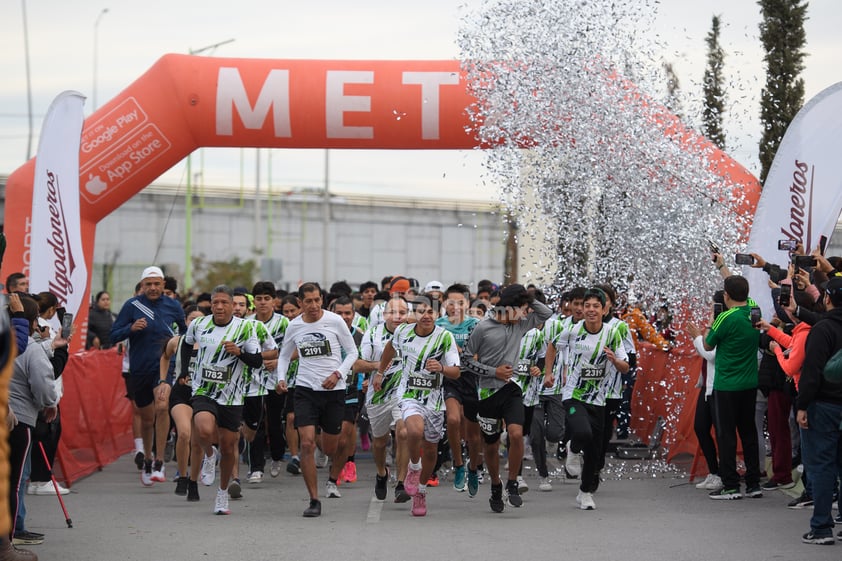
{"x":186,"y":102}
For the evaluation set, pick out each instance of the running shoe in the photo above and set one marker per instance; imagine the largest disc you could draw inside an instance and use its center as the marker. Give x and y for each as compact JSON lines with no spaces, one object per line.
{"x":158,"y":472}
{"x":473,"y":483}
{"x":433,"y":481}
{"x":27,"y":538}
{"x":419,"y":504}
{"x":586,"y":501}
{"x":192,"y":491}
{"x":331,"y":491}
{"x":365,"y":442}
{"x":413,"y":479}
{"x":208,"y":470}
{"x":496,"y":500}
{"x":294,"y":466}
{"x":401,"y":496}
{"x":235,"y":490}
{"x":712,"y":482}
{"x":522,"y":486}
{"x":169,"y":449}
{"x":256,"y":477}
{"x":350,"y":472}
{"x":380,"y":486}
{"x":726,"y":495}
{"x":803,"y":501}
{"x":755,"y":492}
{"x":146,"y":474}
{"x":275,"y":468}
{"x":513,"y":497}
{"x":314,"y":510}
{"x":321,"y":458}
{"x":181,"y":486}
{"x":573,"y":462}
{"x":773,"y":485}
{"x":813,"y":538}
{"x":545,"y":485}
{"x":138,"y":459}
{"x":45,"y":488}
{"x":460,"y":478}
{"x":221,"y":504}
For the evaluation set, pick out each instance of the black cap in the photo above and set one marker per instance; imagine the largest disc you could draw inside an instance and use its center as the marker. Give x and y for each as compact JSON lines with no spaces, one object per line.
{"x":833,"y":288}
{"x":513,"y":295}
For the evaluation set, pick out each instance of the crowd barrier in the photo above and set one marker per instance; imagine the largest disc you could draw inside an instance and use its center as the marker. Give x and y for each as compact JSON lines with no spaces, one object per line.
{"x":96,"y":417}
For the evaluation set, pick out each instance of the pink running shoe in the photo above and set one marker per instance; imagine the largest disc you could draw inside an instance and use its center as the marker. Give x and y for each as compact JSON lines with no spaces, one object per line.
{"x":365,"y":442}
{"x":413,"y":479}
{"x":349,"y":472}
{"x":419,"y":504}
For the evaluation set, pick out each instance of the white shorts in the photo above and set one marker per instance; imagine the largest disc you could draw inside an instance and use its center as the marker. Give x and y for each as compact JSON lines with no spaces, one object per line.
{"x":433,"y":420}
{"x":383,"y":417}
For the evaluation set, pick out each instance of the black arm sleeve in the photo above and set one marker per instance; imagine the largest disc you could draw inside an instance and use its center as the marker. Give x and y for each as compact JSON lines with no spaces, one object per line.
{"x":59,"y":361}
{"x":253,"y":360}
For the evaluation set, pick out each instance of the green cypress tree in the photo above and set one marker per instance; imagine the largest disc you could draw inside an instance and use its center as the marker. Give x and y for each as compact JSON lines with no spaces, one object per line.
{"x":714,"y":88}
{"x":783,"y":37}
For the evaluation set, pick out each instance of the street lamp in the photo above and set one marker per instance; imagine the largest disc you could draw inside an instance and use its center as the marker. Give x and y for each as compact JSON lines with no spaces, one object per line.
{"x":96,"y":41}
{"x":188,"y":197}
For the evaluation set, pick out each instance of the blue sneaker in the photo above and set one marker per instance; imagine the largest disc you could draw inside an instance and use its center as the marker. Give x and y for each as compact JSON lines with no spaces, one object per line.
{"x":473,"y":483}
{"x":460,"y":477}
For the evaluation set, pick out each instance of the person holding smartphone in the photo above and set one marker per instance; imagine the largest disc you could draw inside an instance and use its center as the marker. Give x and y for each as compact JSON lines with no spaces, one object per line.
{"x":736,"y":340}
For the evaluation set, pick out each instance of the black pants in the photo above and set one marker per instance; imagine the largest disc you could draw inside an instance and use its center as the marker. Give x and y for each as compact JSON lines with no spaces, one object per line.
{"x":734,"y":413}
{"x":275,"y":404}
{"x":20,"y":440}
{"x":585,"y":430}
{"x":47,"y":434}
{"x":547,"y":425}
{"x":613,"y":408}
{"x":702,"y":423}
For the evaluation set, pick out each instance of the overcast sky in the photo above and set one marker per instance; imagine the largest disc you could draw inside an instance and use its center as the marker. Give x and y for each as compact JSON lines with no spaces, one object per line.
{"x":133,"y":35}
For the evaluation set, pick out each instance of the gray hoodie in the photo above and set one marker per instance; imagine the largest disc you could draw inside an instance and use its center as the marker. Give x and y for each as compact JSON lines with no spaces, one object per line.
{"x":494,"y":344}
{"x":32,"y":387}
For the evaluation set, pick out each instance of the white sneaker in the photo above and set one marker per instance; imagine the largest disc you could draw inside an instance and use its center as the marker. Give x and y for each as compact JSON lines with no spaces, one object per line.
{"x":573,"y":462}
{"x":321,"y":458}
{"x":522,"y":486}
{"x":711,"y":482}
{"x":586,"y":501}
{"x":208,"y":469}
{"x":45,"y":488}
{"x":221,"y":504}
{"x":158,"y":475}
{"x":256,"y":477}
{"x":332,"y":491}
{"x":545,"y":485}
{"x":275,"y":468}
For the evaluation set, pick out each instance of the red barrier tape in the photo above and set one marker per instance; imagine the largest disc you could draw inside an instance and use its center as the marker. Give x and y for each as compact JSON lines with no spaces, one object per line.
{"x":96,"y":417}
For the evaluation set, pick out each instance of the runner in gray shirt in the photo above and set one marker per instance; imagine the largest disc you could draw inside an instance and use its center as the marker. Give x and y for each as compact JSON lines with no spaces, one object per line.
{"x":492,"y":354}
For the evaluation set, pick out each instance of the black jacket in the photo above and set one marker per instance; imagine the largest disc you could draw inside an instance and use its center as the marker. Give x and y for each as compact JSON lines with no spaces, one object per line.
{"x":824,"y":340}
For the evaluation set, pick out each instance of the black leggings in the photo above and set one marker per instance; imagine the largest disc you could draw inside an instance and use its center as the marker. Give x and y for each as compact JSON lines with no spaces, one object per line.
{"x":702,"y":423}
{"x":20,"y":440}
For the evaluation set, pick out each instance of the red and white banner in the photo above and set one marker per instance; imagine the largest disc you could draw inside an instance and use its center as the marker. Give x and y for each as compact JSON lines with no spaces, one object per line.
{"x":57,"y":263}
{"x":802,"y":196}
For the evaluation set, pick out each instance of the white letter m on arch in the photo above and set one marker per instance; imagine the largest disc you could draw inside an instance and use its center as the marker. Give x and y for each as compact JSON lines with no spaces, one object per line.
{"x":231,"y":93}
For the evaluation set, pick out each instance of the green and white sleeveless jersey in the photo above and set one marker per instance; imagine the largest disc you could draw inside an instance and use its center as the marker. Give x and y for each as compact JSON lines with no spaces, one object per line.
{"x":418,"y":383}
{"x":530,"y":351}
{"x":371,"y":349}
{"x":552,"y":330}
{"x":587,"y":367}
{"x":625,"y":334}
{"x":271,"y":336}
{"x":219,"y":375}
{"x":359,"y":322}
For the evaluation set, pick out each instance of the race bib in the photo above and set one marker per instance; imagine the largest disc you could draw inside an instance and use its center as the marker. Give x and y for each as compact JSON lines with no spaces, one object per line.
{"x":312,"y":349}
{"x":216,"y":374}
{"x":425,"y":382}
{"x":591,"y":372}
{"x":489,"y":426}
{"x":523,"y":368}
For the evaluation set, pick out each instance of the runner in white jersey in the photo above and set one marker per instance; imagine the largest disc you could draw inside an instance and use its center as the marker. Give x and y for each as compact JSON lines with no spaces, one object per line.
{"x":590,"y":348}
{"x":428,"y":354}
{"x":227,"y":345}
{"x":549,"y":422}
{"x":321,"y":339}
{"x":528,"y":377}
{"x":614,"y":397}
{"x":382,"y":405}
{"x":262,"y":381}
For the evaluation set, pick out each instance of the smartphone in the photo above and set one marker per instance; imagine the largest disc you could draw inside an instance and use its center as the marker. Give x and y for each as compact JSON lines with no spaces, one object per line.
{"x":755,"y":315}
{"x":66,"y":324}
{"x":717,"y":309}
{"x":803,"y":261}
{"x":713,"y":249}
{"x":822,"y":244}
{"x":744,"y":259}
{"x":786,"y":295}
{"x":787,"y":245}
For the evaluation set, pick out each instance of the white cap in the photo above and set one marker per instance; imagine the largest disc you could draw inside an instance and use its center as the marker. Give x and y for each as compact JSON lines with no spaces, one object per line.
{"x":152,"y":272}
{"x":434,"y":286}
